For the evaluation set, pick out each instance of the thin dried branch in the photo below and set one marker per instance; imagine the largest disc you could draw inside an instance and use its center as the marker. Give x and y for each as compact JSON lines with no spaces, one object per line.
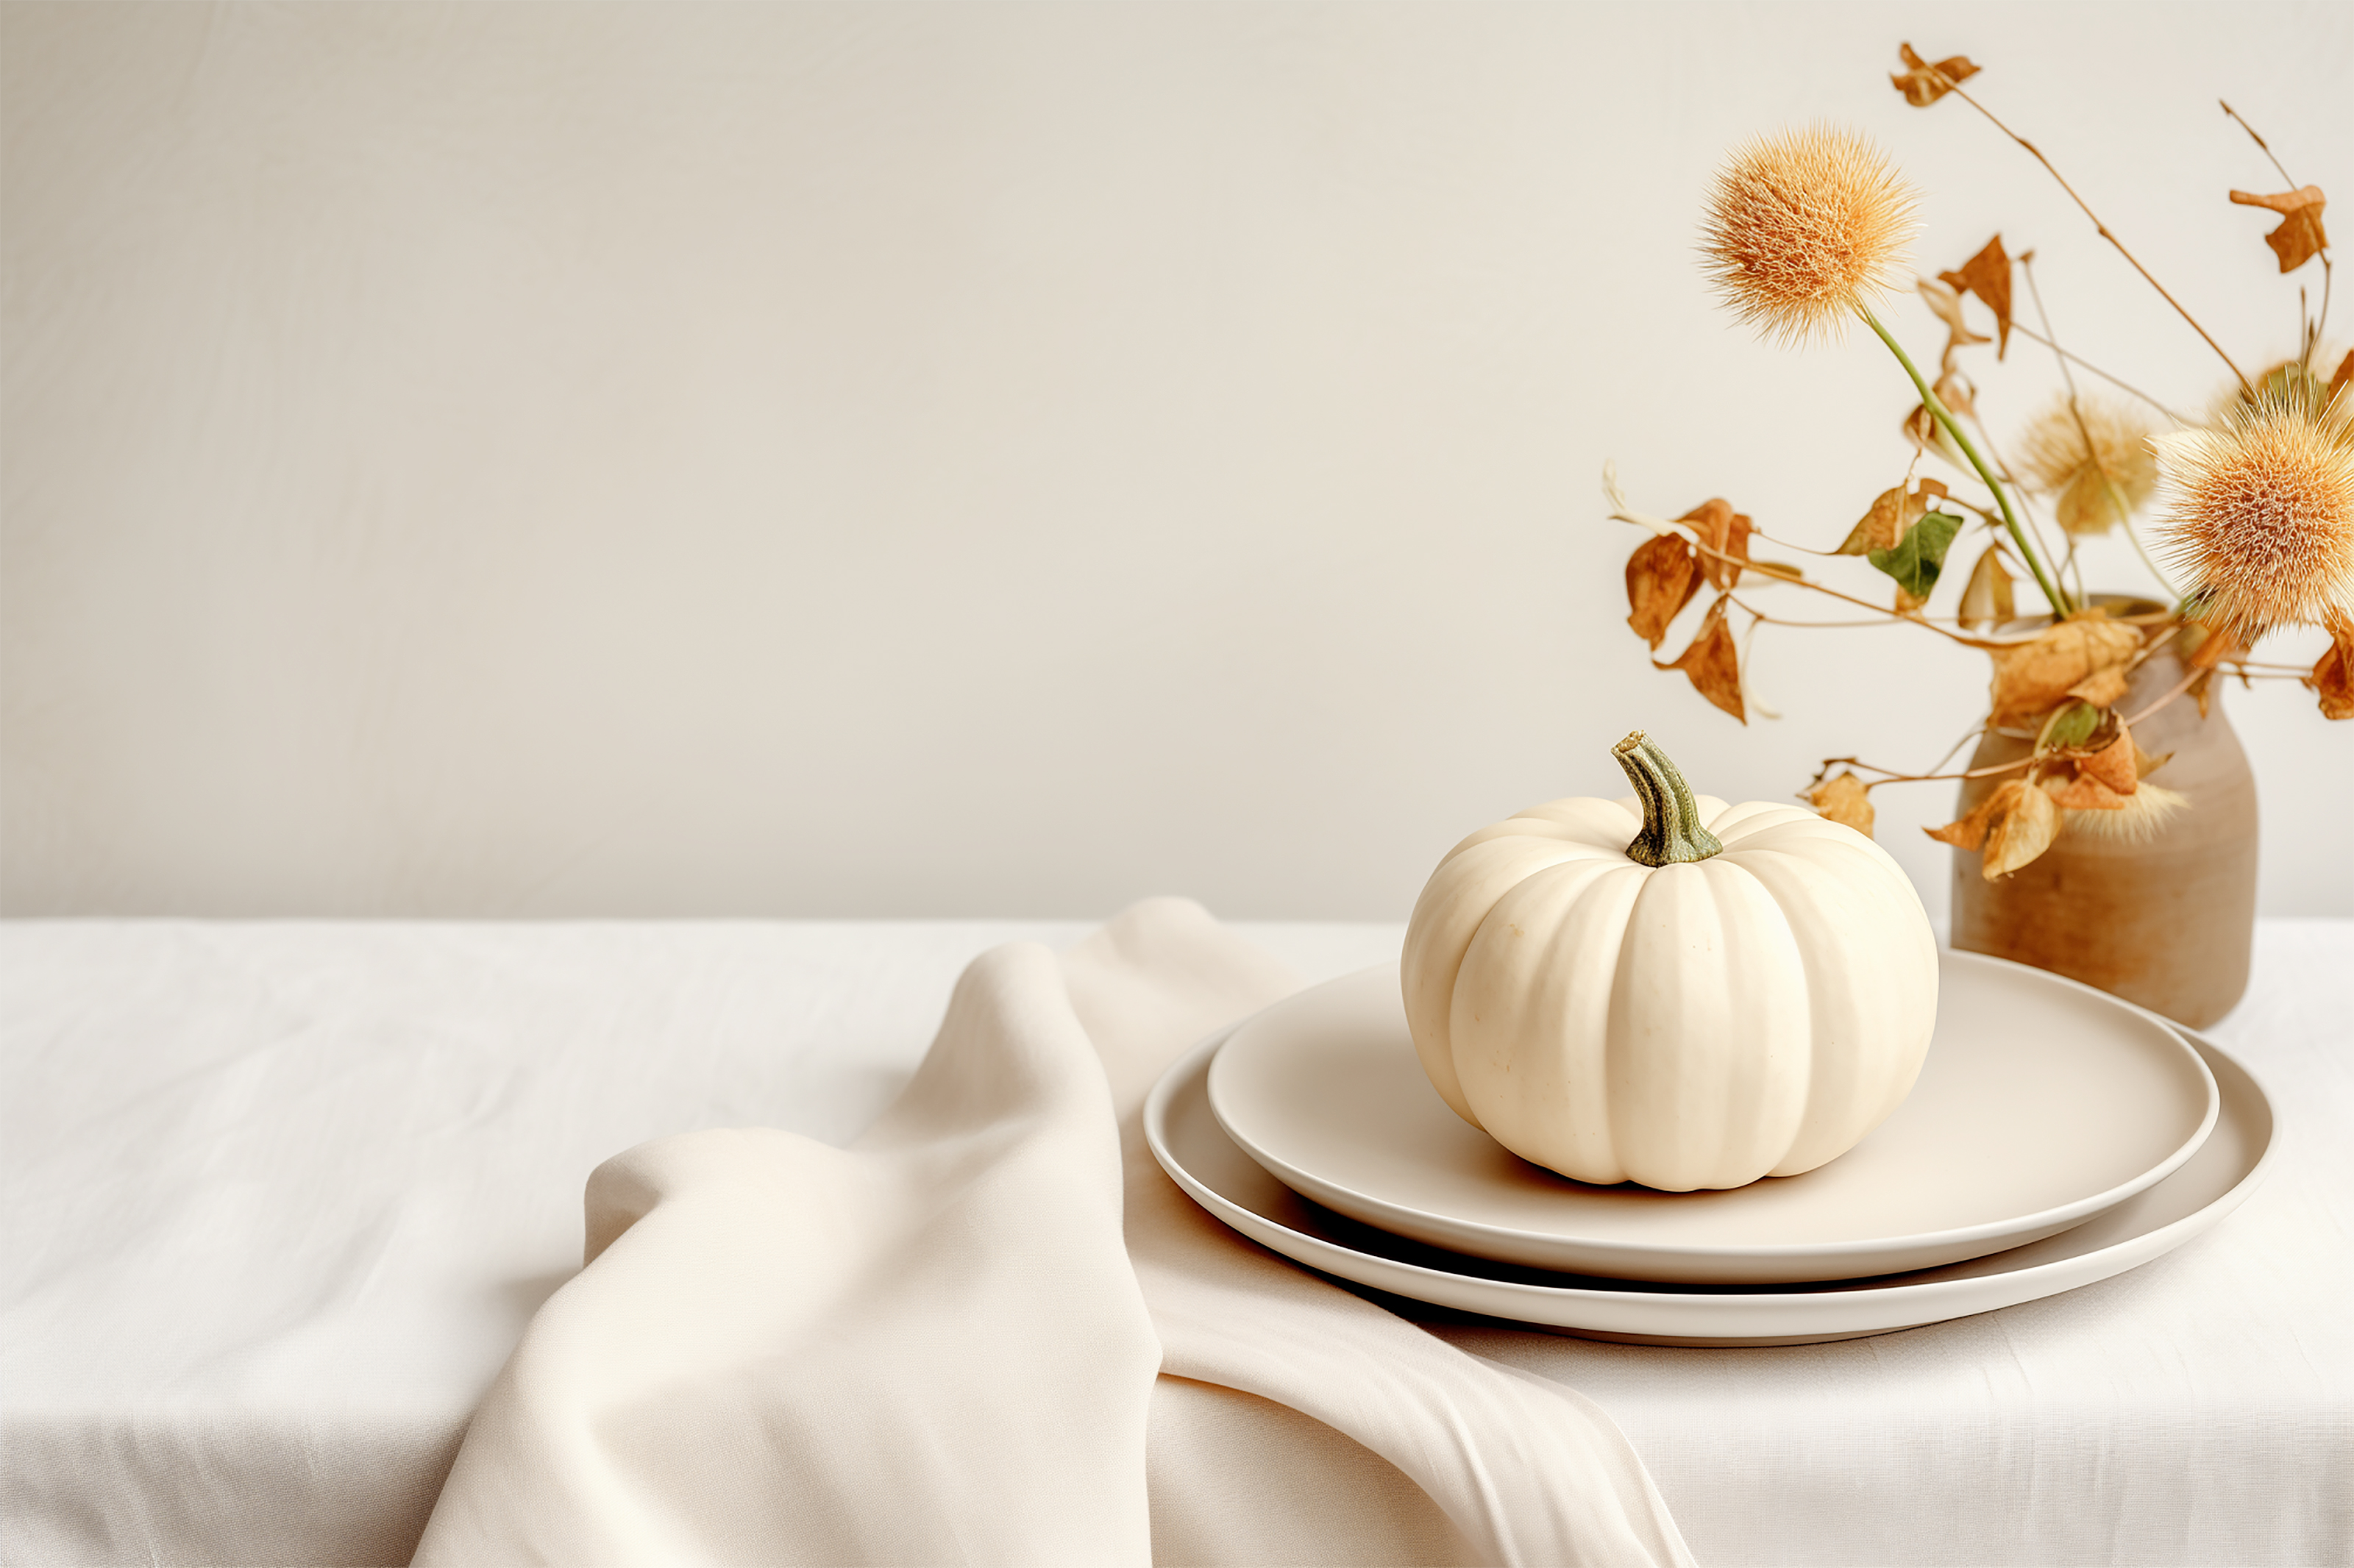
{"x":2179,"y":687}
{"x":1889,"y":619}
{"x":2150,"y":650}
{"x":1792,"y":545}
{"x":1955,"y":750}
{"x":1765,"y":569}
{"x":1892,"y":776}
{"x":2321,"y":321}
{"x":2312,"y":329}
{"x":2262,"y":145}
{"x":1949,"y":499}
{"x":2037,"y":153}
{"x":2080,"y":363}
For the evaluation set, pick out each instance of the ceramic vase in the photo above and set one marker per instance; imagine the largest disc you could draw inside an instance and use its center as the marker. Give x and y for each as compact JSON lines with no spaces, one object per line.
{"x":2166,"y":923}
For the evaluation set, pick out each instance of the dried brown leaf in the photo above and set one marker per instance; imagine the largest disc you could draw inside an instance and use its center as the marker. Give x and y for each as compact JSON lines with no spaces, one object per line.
{"x":2081,"y":793}
{"x":2203,"y":647}
{"x":1662,"y":575}
{"x":2020,"y":828}
{"x":1844,"y":800}
{"x":1987,"y":597}
{"x":1946,"y":303}
{"x":2345,"y":375}
{"x":1923,"y":83}
{"x":1880,"y":525}
{"x":2013,"y":824}
{"x":1967,"y":831}
{"x":1892,"y":513}
{"x":1723,"y":530}
{"x":1921,"y":427}
{"x":2100,"y":688}
{"x":2333,"y":676}
{"x":2145,"y":764}
{"x":1711,"y":665}
{"x":1956,"y":395}
{"x":2300,"y":236}
{"x":1988,"y":275}
{"x":2114,"y":765}
{"x":2031,"y":678}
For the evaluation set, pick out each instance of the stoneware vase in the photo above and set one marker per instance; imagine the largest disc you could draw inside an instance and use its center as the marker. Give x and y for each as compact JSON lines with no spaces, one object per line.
{"x":2166,"y":923}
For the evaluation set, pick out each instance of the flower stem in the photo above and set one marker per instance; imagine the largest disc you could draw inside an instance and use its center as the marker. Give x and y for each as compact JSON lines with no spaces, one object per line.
{"x":1944,"y":415}
{"x":2034,"y":524}
{"x":1673,"y":833}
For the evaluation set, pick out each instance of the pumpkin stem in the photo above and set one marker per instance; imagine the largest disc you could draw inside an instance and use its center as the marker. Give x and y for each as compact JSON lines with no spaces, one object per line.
{"x":1672,"y":826}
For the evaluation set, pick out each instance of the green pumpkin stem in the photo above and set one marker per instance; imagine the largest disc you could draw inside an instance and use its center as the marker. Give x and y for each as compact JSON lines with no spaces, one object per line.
{"x":1672,"y":826}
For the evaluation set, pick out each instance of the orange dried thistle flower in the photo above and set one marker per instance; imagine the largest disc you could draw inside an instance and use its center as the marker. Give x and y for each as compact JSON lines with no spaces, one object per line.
{"x":1803,"y":228}
{"x":2260,"y":513}
{"x":2059,"y":464}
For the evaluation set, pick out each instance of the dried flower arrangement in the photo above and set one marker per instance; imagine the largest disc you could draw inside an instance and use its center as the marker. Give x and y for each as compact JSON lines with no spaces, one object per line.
{"x":1803,"y":232}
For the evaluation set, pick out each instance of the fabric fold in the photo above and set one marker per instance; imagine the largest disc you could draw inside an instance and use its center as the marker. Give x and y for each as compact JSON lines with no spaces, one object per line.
{"x":940,"y":1344}
{"x":926,"y":1348}
{"x":1527,"y":1471}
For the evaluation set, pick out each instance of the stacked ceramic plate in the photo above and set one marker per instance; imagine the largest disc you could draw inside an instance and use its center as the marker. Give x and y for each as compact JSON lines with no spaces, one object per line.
{"x":2057,"y":1137}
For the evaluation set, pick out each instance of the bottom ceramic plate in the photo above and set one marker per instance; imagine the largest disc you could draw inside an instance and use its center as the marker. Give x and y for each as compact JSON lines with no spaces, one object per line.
{"x":1200,"y":1158}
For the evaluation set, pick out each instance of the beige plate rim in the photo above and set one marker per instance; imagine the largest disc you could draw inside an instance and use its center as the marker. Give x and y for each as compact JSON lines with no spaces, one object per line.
{"x":1531,"y":1248}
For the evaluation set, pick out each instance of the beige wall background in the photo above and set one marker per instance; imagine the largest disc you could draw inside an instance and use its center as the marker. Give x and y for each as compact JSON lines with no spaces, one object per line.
{"x":897,"y":460}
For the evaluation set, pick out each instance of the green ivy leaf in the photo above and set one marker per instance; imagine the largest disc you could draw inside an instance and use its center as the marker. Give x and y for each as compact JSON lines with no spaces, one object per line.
{"x":2070,"y":726}
{"x":1915,"y":560}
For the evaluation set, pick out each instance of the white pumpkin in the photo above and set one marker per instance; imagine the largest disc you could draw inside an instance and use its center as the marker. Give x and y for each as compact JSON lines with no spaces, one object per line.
{"x":1668,"y":990}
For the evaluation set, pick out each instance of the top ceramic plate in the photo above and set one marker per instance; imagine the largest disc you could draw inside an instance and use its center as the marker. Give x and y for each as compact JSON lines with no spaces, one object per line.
{"x":1201,"y":1159}
{"x":2043,"y":1103}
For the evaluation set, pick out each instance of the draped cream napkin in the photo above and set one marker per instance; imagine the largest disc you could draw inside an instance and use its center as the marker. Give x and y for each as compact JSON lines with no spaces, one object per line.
{"x":939,"y":1345}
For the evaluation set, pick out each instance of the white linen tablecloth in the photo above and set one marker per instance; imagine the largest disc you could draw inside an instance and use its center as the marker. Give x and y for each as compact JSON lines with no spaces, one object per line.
{"x":280,"y":1198}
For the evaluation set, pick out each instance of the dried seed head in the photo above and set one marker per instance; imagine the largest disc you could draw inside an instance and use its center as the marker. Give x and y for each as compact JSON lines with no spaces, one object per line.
{"x":2260,"y":513}
{"x":1802,"y":228}
{"x":2289,"y":381}
{"x":2057,"y":462}
{"x":2146,"y":811}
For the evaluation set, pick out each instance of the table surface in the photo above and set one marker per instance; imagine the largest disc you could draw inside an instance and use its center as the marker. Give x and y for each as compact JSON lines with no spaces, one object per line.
{"x":279,"y":1197}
